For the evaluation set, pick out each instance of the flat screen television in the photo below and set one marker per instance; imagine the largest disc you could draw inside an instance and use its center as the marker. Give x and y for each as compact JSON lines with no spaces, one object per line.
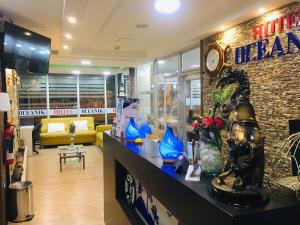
{"x":25,"y":50}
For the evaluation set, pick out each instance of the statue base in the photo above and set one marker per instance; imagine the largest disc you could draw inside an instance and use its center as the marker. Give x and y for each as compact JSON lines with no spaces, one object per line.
{"x":245,"y":198}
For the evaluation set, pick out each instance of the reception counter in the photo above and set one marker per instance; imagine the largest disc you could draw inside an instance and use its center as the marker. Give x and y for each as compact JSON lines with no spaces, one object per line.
{"x":189,"y":202}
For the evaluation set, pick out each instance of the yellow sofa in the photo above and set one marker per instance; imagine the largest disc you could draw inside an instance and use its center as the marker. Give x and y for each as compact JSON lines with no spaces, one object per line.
{"x":99,"y":133}
{"x":62,"y":138}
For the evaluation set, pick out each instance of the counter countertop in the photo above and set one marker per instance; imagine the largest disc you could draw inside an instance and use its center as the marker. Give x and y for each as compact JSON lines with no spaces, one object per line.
{"x":189,"y":201}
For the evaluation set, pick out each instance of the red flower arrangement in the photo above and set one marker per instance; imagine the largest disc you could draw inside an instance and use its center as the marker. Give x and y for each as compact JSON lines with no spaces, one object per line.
{"x":208,"y":122}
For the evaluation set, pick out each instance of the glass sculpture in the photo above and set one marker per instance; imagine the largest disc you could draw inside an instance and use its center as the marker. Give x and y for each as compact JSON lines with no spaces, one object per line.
{"x":132,"y":132}
{"x":170,"y":147}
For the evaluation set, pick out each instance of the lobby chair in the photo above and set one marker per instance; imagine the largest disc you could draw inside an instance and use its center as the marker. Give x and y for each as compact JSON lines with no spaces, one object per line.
{"x":99,"y":133}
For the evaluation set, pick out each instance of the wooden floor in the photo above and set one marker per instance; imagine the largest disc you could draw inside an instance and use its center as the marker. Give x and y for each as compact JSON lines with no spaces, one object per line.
{"x":73,"y":197}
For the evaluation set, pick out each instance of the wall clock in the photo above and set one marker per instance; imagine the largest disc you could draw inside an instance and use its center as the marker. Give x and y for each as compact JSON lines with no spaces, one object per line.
{"x":214,"y":59}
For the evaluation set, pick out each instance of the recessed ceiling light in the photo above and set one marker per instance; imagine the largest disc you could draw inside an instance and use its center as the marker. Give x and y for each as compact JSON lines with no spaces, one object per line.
{"x":85,"y":62}
{"x":68,"y":36}
{"x":72,"y":19}
{"x":167,"y":74}
{"x":161,"y":61}
{"x":167,"y":6}
{"x":32,"y":48}
{"x":222,"y":27}
{"x":27,"y":33}
{"x":5,"y":43}
{"x":19,"y":45}
{"x":261,"y":10}
{"x":142,"y":25}
{"x":65,"y":46}
{"x":106,"y":72}
{"x":195,"y":66}
{"x":75,"y":72}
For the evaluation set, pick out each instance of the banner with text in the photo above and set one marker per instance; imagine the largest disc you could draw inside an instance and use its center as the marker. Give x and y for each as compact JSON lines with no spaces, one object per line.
{"x":63,"y":112}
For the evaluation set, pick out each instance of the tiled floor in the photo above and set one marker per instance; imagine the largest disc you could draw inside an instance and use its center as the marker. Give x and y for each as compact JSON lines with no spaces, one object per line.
{"x":73,"y":197}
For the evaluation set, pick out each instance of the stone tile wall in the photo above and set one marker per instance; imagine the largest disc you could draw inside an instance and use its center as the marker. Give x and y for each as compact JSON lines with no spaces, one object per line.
{"x":275,"y":82}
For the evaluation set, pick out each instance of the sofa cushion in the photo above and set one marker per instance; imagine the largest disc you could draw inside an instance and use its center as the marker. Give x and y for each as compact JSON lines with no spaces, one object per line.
{"x":80,"y":125}
{"x":56,"y":127}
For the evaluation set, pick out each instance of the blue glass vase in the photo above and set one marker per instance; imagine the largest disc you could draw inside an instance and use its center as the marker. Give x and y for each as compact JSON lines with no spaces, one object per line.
{"x":132,"y":132}
{"x":170,"y":147}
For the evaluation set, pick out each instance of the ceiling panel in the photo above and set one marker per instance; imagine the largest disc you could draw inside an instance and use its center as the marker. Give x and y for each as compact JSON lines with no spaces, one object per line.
{"x":103,"y":25}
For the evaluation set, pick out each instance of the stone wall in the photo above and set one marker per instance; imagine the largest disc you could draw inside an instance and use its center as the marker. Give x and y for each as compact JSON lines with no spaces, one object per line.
{"x":275,"y":82}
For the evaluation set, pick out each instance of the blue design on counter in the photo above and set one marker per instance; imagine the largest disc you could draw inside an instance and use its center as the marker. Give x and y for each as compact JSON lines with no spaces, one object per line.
{"x":170,"y":147}
{"x":132,"y":132}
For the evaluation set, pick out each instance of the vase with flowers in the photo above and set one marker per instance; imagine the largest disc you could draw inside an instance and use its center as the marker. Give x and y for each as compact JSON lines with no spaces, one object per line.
{"x":72,"y":134}
{"x":209,"y":132}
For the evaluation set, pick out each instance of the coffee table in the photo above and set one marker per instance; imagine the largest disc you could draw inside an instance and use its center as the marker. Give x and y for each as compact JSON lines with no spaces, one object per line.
{"x":71,"y":151}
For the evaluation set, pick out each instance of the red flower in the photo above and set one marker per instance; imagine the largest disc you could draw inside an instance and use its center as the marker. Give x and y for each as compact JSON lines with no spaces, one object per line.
{"x":207,"y":121}
{"x":218,"y":123}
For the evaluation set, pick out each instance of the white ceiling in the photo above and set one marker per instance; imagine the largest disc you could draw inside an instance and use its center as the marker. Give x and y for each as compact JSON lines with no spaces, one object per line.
{"x":104,"y":24}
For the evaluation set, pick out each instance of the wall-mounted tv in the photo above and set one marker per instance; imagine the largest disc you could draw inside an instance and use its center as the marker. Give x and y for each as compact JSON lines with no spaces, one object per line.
{"x":25,"y":50}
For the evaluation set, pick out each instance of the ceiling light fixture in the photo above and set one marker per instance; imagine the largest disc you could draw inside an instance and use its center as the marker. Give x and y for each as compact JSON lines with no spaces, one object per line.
{"x":68,"y":36}
{"x":19,"y":45}
{"x":32,"y":48}
{"x":195,"y":66}
{"x":167,"y":74}
{"x":75,"y":72}
{"x":27,"y":33}
{"x":106,"y":73}
{"x":261,"y":10}
{"x":65,"y":46}
{"x":161,"y":62}
{"x":72,"y":19}
{"x":222,"y":27}
{"x":167,"y":6}
{"x":85,"y":62}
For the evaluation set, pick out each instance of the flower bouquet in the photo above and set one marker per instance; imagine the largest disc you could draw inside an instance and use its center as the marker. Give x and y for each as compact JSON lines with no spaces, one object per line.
{"x":210,"y":143}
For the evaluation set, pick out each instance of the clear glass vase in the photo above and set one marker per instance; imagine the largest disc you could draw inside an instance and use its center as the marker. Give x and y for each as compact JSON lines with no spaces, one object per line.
{"x":212,"y":160}
{"x":72,"y":139}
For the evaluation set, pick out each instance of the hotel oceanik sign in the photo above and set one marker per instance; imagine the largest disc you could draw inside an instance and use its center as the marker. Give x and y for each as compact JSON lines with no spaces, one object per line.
{"x":261,"y":48}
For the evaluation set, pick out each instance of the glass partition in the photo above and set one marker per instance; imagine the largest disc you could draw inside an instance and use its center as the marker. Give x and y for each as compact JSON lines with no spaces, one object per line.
{"x":143,"y":91}
{"x":167,"y":89}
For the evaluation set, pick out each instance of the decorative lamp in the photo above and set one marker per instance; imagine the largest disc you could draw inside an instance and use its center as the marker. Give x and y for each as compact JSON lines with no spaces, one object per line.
{"x":4,"y":102}
{"x":170,"y":147}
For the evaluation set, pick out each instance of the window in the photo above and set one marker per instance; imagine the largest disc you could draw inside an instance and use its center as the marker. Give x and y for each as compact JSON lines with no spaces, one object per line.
{"x":91,"y":89}
{"x":62,"y":91}
{"x":191,"y":60}
{"x":32,"y":91}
